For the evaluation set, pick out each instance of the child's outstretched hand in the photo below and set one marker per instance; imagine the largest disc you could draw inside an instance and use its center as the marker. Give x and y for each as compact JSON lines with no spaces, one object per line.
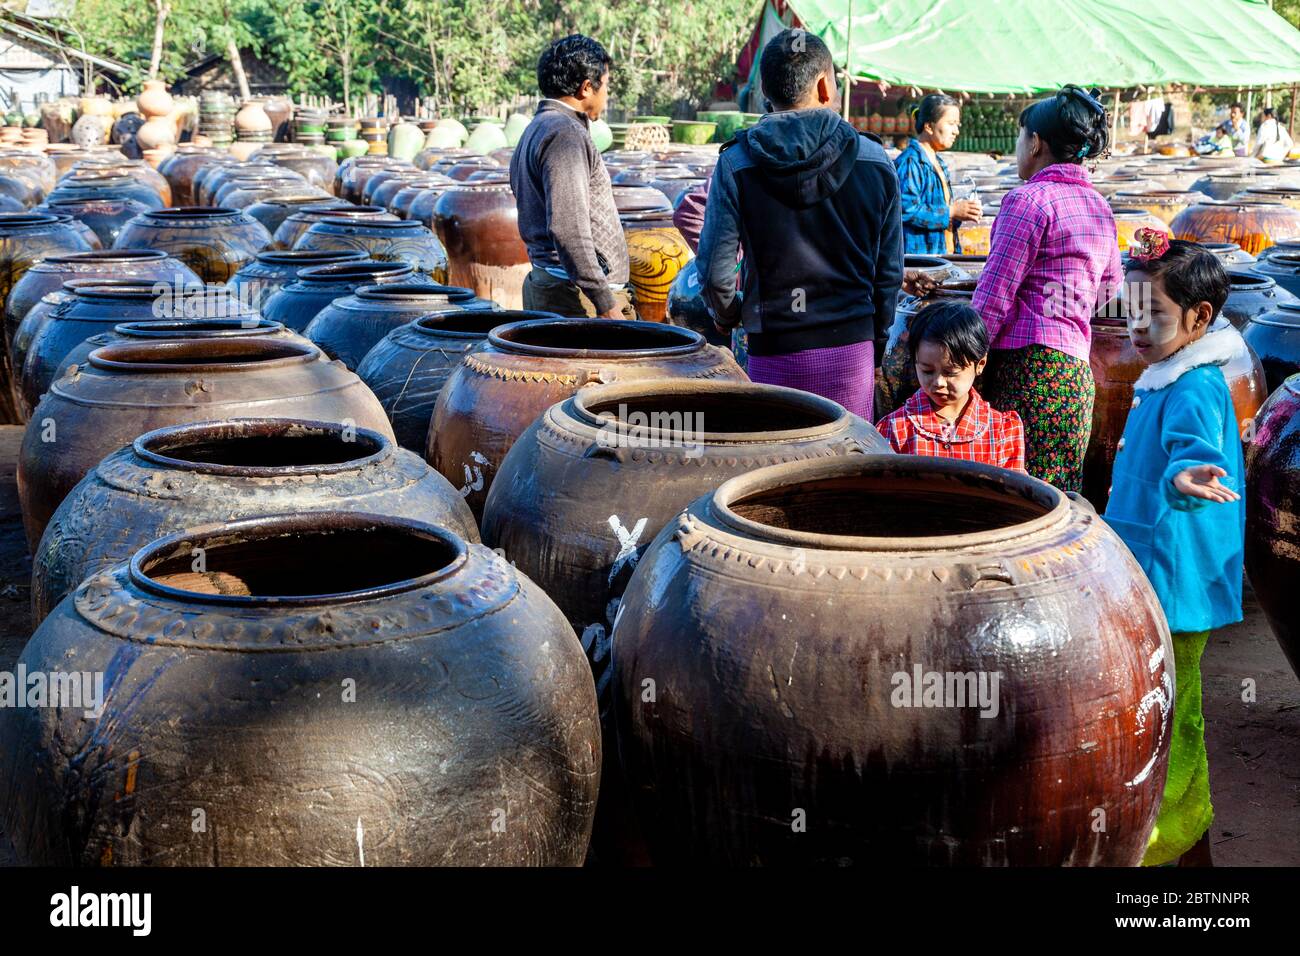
{"x":1202,"y":481}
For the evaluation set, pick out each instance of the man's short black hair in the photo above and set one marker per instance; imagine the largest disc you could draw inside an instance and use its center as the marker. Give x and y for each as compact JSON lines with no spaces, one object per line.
{"x":954,"y":325}
{"x":567,"y":62}
{"x":791,"y":63}
{"x":1236,"y":106}
{"x":1189,"y":273}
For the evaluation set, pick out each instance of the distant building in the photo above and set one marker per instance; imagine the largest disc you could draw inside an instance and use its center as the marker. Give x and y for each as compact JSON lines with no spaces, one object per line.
{"x":41,"y":60}
{"x":214,"y":72}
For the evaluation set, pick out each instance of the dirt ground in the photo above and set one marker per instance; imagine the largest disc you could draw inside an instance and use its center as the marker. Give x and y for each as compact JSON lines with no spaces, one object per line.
{"x":1254,"y":746}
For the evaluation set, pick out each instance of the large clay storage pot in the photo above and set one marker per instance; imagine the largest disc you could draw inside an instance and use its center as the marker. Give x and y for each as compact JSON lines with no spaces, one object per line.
{"x":1251,"y":294}
{"x":1116,"y":367}
{"x":1164,"y":204}
{"x":296,"y":224}
{"x":102,"y":186}
{"x":1129,"y":221}
{"x":796,"y":624}
{"x":317,"y":169}
{"x":404,"y":202}
{"x":408,"y":367}
{"x":188,"y":475}
{"x":268,"y":272}
{"x":229,"y":694}
{"x":1283,"y":268}
{"x":353,"y":174}
{"x":388,"y":240}
{"x":1274,"y":337}
{"x":656,"y":254}
{"x":180,"y":168}
{"x":1223,"y":185}
{"x":479,"y":228}
{"x":1273,"y":514}
{"x":1253,"y":226}
{"x":297,"y":302}
{"x":526,"y":367}
{"x":272,"y":211}
{"x":209,"y":182}
{"x":213,"y":170}
{"x":1231,"y":254}
{"x":104,"y":217}
{"x":25,"y":239}
{"x":215,"y":243}
{"x":138,"y":170}
{"x":897,"y":372}
{"x":126,"y":390}
{"x":348,"y":328}
{"x":1287,"y":195}
{"x":242,"y":191}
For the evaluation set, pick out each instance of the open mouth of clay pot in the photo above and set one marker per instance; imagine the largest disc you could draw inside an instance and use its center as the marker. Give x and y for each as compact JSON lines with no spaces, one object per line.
{"x":593,"y":338}
{"x":356,"y":271}
{"x":201,"y":354}
{"x":183,"y":213}
{"x":262,"y":447}
{"x":707,"y":411}
{"x":886,"y":503}
{"x":1244,"y":282}
{"x":306,"y":258}
{"x":197,"y":328}
{"x":478,"y":322}
{"x":400,"y":292}
{"x":298,"y":559}
{"x":109,"y":256}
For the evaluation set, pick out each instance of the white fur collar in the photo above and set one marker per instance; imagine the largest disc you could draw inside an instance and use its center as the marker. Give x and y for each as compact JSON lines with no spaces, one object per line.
{"x":1215,"y":348}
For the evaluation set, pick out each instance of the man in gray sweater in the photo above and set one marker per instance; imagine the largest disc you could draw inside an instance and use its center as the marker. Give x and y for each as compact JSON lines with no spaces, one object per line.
{"x":567,"y":216}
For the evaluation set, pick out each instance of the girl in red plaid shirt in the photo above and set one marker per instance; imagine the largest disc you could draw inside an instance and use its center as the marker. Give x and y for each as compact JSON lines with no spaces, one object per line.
{"x":946,"y":418}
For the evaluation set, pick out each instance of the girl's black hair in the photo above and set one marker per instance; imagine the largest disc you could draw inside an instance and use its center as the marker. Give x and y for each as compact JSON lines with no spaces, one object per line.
{"x":955,"y":326}
{"x":1189,"y":273}
{"x":1072,"y":123}
{"x":931,"y":109}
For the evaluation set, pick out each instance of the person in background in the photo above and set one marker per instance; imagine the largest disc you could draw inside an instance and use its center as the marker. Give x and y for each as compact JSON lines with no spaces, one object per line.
{"x":567,"y":216}
{"x":1176,"y":501}
{"x":1053,"y":257}
{"x":1273,"y":143}
{"x":816,"y":207}
{"x":1238,"y":128}
{"x":930,"y":214}
{"x":946,"y":418}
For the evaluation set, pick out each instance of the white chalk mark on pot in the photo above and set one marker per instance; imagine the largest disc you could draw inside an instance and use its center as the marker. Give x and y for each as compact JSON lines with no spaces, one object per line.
{"x":627,"y":542}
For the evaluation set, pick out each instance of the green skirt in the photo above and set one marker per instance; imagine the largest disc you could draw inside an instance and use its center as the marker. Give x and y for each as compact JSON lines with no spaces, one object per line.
{"x":1185,"y":809}
{"x":1052,"y":393}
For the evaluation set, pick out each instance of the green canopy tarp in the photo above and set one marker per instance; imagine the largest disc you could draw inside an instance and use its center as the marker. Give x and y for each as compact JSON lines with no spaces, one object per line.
{"x":1029,"y":46}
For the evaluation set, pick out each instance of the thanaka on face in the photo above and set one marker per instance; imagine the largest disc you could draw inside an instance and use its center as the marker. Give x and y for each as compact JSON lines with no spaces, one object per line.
{"x":944,"y":382}
{"x":1157,"y":325}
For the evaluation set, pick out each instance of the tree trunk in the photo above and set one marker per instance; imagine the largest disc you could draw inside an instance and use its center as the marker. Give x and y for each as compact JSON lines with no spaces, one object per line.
{"x":162,"y":10}
{"x":237,"y":65}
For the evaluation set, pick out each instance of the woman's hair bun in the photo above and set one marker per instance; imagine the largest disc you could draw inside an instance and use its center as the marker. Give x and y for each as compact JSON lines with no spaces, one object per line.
{"x":1073,"y":123}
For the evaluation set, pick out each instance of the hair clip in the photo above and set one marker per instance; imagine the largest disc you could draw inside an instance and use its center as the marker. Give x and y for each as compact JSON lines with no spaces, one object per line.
{"x":1088,"y":99}
{"x":1148,"y":244}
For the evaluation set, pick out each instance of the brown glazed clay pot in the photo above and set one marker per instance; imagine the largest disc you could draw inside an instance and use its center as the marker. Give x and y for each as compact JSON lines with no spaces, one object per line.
{"x":297,"y":302}
{"x":396,"y":170}
{"x":1164,"y":204}
{"x":316,"y":168}
{"x":104,"y":217}
{"x":274,"y":210}
{"x":101,"y":187}
{"x":1253,"y":226}
{"x":242,"y":191}
{"x":180,"y":168}
{"x":526,"y":367}
{"x":294,"y":225}
{"x":215,"y":243}
{"x":1116,"y":367}
{"x":268,"y":272}
{"x":479,"y":228}
{"x":412,"y":189}
{"x":209,"y":181}
{"x":387,"y":240}
{"x":1273,"y":514}
{"x":25,"y":239}
{"x":1274,"y":337}
{"x":228,"y":693}
{"x":408,"y":367}
{"x":126,"y":390}
{"x":897,"y":380}
{"x":1250,"y":294}
{"x":138,"y":170}
{"x":348,"y":328}
{"x":791,"y":622}
{"x":189,"y":475}
{"x":355,"y":172}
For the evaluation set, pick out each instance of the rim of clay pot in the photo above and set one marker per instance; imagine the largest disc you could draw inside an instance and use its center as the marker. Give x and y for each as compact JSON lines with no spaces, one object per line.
{"x":107,"y":255}
{"x":526,"y":337}
{"x":981,"y":481}
{"x":1289,"y":308}
{"x":1124,"y":212}
{"x":343,"y":211}
{"x":93,"y":179}
{"x":201,"y":215}
{"x":392,"y":224}
{"x":924,"y":262}
{"x":1161,"y":194}
{"x":353,"y":271}
{"x":264,"y":533}
{"x":1286,"y":258}
{"x":92,"y":201}
{"x":1249,"y":280}
{"x":414,"y":292}
{"x":22,"y":219}
{"x":201,"y":328}
{"x":364,"y":446}
{"x":203,"y":355}
{"x":960,"y":257}
{"x":324,"y":257}
{"x":1226,"y":248}
{"x":458,"y":323}
{"x":306,"y":199}
{"x":825,"y":415}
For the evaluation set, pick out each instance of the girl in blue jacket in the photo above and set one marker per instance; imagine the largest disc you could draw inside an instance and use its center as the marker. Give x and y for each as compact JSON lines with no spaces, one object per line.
{"x":1175,"y":500}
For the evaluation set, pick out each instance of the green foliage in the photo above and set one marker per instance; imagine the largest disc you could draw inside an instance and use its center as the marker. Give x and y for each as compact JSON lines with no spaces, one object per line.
{"x":467,"y":54}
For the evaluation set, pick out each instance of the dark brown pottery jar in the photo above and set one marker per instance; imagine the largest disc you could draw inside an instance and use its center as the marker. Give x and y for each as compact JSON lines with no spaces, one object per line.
{"x":479,"y":228}
{"x":268,"y":272}
{"x":214,"y":242}
{"x":388,"y":240}
{"x":189,"y":475}
{"x":104,"y":217}
{"x":297,"y":302}
{"x":526,"y":367}
{"x":125,"y":390}
{"x":1273,"y":514}
{"x":296,"y":224}
{"x":797,"y":623}
{"x":1274,"y":337}
{"x":350,"y":327}
{"x":263,"y":690}
{"x":1251,"y":293}
{"x":1254,"y":226}
{"x":207,"y":185}
{"x":106,"y":187}
{"x":180,"y":168}
{"x":408,"y":367}
{"x":274,"y":210}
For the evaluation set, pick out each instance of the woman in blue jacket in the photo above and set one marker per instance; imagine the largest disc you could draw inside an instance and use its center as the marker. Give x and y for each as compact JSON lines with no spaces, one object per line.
{"x":930,"y":214}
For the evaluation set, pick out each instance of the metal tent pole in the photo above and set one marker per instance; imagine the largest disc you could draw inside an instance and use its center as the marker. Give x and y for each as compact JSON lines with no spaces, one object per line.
{"x":848,"y":64}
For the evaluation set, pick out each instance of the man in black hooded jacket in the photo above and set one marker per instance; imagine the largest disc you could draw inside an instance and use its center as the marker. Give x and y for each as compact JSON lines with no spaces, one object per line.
{"x":815,"y":207}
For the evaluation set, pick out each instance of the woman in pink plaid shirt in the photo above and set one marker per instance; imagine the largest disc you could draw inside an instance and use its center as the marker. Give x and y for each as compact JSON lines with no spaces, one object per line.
{"x":1053,"y":258}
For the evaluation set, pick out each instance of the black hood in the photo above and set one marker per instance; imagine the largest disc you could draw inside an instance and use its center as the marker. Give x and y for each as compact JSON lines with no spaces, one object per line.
{"x":805,"y":154}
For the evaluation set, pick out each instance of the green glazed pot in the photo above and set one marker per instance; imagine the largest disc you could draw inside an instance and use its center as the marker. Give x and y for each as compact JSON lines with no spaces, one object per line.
{"x":693,"y":132}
